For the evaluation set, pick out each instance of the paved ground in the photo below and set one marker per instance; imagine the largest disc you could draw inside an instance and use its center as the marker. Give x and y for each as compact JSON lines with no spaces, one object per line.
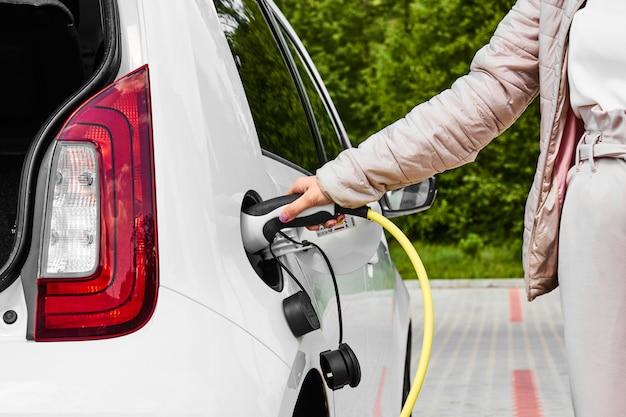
{"x":494,"y":354}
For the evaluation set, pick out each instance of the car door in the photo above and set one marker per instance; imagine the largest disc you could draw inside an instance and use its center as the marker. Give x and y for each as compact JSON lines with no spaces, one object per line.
{"x":299,"y":130}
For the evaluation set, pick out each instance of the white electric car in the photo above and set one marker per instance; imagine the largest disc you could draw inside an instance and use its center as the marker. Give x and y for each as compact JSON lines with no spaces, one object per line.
{"x":133,"y":135}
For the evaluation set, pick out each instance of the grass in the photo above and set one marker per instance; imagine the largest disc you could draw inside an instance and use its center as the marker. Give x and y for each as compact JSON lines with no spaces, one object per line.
{"x":452,"y":262}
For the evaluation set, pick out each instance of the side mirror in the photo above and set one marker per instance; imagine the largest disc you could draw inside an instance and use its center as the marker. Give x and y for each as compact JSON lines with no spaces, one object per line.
{"x":410,"y":199}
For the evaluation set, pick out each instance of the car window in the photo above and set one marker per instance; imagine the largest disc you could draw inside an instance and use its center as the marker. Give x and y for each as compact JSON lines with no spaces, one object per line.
{"x":329,"y":135}
{"x":275,"y":102}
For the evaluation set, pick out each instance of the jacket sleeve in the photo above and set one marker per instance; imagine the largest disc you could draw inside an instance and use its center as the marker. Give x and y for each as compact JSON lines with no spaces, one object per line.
{"x":450,"y":129}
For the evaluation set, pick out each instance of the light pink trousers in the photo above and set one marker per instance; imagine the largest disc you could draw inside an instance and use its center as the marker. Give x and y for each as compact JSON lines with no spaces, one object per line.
{"x":592,"y":267}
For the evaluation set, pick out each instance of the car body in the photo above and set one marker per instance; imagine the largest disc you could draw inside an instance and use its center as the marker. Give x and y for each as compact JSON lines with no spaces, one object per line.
{"x":135,"y":132}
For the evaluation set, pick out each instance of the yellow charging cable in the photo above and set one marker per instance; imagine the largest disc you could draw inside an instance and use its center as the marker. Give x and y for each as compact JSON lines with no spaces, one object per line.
{"x":429,"y":319}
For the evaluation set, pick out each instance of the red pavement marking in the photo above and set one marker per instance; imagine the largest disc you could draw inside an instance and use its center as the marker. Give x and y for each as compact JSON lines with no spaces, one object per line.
{"x":377,"y":411}
{"x":515,"y":306}
{"x":525,"y":396}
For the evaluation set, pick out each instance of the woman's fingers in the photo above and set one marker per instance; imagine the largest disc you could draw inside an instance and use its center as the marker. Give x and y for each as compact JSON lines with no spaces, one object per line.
{"x":312,"y":196}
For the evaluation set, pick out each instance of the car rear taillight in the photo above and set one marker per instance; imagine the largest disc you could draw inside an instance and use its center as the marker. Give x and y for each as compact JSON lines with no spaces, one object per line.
{"x":98,"y":273}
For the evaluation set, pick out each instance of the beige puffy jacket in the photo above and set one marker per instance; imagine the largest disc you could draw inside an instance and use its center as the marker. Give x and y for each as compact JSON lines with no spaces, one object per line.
{"x":525,"y":57}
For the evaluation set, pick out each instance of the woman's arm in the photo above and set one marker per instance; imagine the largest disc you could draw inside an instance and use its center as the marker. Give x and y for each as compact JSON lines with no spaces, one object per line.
{"x":448,"y":130}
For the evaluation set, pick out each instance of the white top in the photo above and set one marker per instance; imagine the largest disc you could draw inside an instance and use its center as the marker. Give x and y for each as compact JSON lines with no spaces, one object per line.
{"x":597,"y":55}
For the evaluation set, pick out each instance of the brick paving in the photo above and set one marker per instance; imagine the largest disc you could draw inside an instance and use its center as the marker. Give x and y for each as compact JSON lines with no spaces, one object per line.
{"x":494,"y":354}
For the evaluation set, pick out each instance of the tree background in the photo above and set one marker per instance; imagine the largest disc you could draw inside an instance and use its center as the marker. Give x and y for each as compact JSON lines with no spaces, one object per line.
{"x":380,"y":58}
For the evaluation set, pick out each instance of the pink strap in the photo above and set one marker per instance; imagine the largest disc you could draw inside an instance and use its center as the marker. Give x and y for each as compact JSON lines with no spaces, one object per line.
{"x":571,"y":133}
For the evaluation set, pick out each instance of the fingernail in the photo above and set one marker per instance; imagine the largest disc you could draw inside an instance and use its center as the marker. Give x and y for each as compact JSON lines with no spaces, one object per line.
{"x":283,"y":218}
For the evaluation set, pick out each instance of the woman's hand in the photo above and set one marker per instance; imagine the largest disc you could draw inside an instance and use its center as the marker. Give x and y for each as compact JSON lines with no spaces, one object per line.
{"x":312,"y":196}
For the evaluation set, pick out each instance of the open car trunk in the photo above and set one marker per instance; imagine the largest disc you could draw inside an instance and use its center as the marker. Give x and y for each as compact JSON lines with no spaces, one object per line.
{"x":49,"y":49}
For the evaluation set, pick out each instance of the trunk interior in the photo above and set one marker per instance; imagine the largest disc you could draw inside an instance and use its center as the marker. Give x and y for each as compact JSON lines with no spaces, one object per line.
{"x":48,"y":49}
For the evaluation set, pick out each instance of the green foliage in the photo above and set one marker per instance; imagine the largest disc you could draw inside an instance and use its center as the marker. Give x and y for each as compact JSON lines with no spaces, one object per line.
{"x":451,"y":262}
{"x":471,"y":245}
{"x":379,"y":58}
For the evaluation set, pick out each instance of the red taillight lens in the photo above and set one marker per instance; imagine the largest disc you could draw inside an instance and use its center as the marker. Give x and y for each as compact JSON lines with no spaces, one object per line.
{"x":98,"y":268}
